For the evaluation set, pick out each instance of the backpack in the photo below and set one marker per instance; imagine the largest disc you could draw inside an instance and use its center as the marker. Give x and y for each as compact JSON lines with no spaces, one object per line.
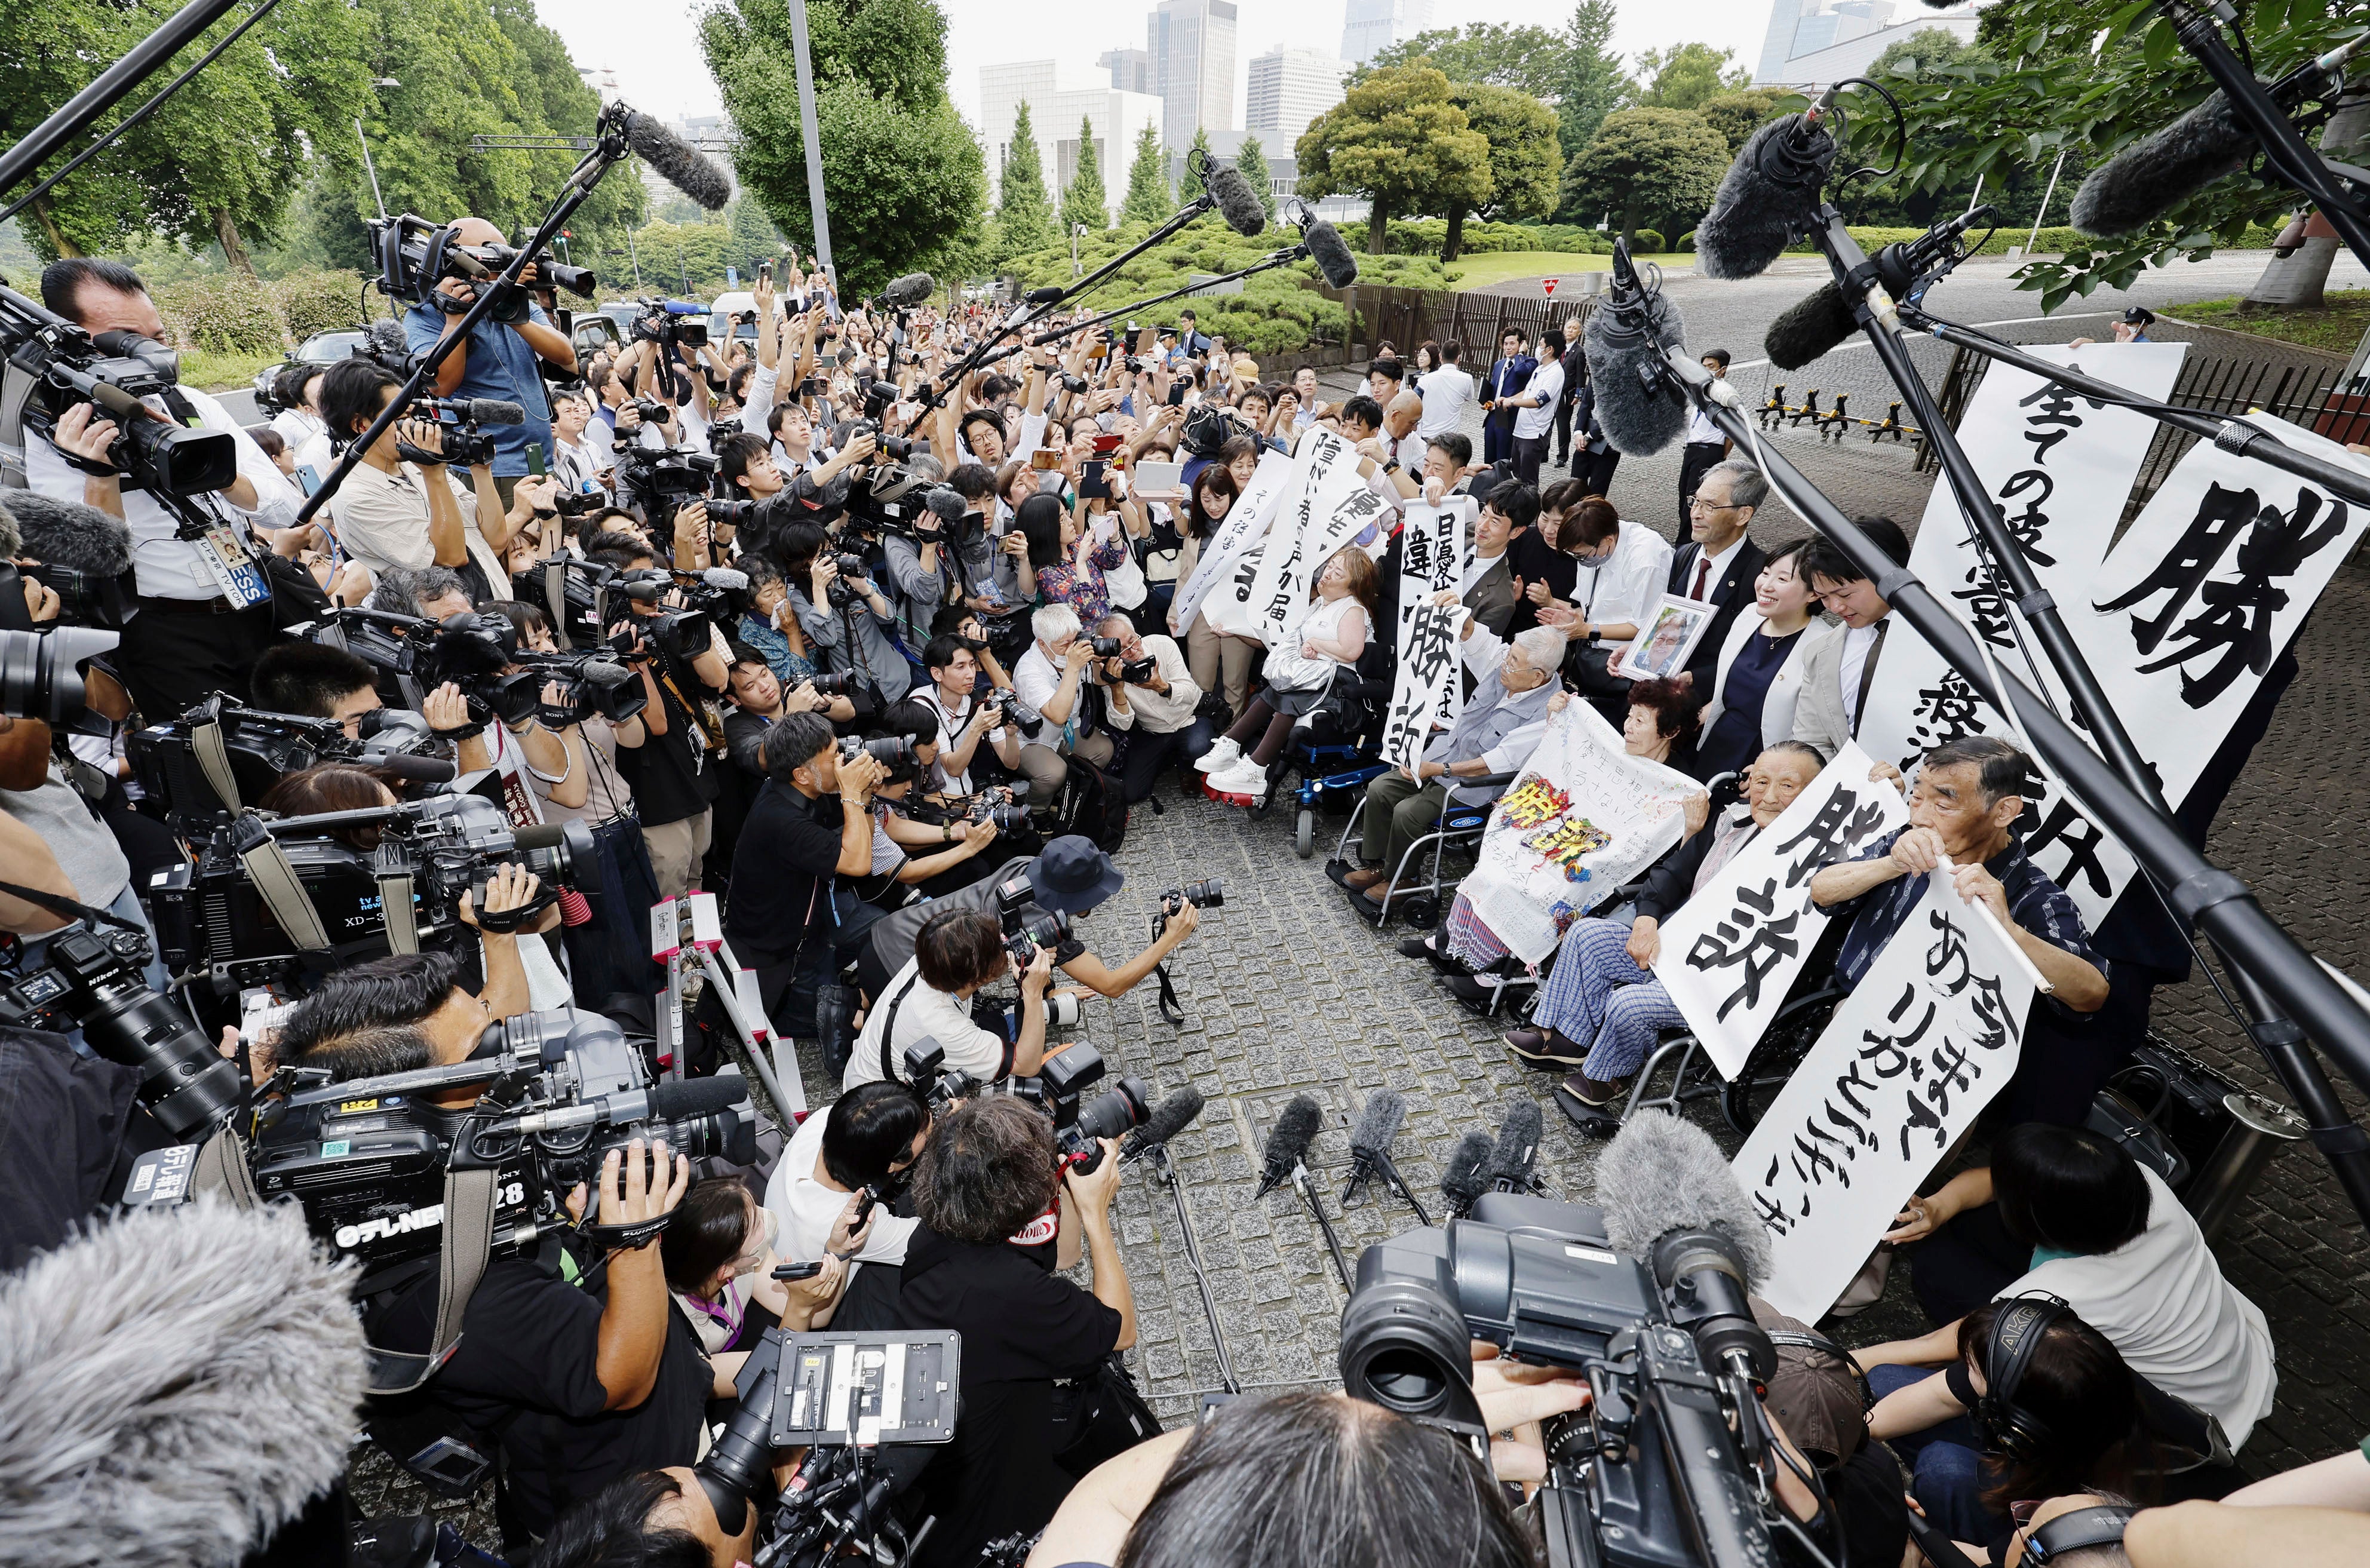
{"x":1093,"y":806}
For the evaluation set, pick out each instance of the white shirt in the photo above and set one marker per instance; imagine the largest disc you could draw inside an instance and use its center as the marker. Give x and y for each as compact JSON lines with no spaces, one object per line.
{"x":1719,"y":564}
{"x":760,"y":404}
{"x":924,"y":1014}
{"x":166,"y":567}
{"x":1447,"y":393}
{"x":1035,"y":679}
{"x":1547,"y":386}
{"x":1629,"y":581}
{"x":296,"y":426}
{"x":950,"y":726}
{"x":1701,"y":428}
{"x":381,"y":519}
{"x":807,"y":1209}
{"x":1858,"y":641}
{"x":2160,"y":1300}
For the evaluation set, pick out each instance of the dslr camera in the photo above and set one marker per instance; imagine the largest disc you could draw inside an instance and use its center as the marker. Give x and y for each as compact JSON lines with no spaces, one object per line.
{"x":41,"y":671}
{"x":1026,"y":926}
{"x":927,"y":1072}
{"x":842,"y":591}
{"x":1131,"y":672}
{"x":1079,"y":1123}
{"x":1207,"y":893}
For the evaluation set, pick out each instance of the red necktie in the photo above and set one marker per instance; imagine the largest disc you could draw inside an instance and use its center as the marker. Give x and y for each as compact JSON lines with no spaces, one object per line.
{"x":1703,"y":574}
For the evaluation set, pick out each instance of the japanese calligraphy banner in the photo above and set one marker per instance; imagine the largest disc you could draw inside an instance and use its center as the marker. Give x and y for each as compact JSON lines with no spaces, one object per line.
{"x":1330,"y":510}
{"x":1431,"y":557}
{"x":2059,"y":466}
{"x":1930,"y":1035}
{"x":1731,"y":951}
{"x":1583,"y":817}
{"x":1245,"y":529}
{"x":1429,"y":688}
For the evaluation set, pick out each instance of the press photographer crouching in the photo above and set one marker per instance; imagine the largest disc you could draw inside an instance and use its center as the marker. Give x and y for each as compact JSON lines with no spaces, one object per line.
{"x":1151,"y":703}
{"x":957,"y":953}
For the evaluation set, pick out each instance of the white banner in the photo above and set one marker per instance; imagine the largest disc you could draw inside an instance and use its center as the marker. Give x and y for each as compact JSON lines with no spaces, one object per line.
{"x":1931,"y":1033}
{"x":1246,"y":526}
{"x":1431,"y":557}
{"x":1731,"y":953}
{"x":1583,"y":818}
{"x":1428,"y":692}
{"x":2060,"y":468}
{"x":1323,"y":516}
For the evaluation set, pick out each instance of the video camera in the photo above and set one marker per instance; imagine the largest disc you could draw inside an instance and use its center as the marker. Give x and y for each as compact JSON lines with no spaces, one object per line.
{"x":180,"y":762}
{"x":1660,"y":1469}
{"x":112,"y":372}
{"x":213,"y":918}
{"x":891,"y":499}
{"x":415,"y":255}
{"x":668,"y":322}
{"x":662,"y":479}
{"x":680,"y":634}
{"x":462,"y":442}
{"x":41,"y":671}
{"x":480,"y":654}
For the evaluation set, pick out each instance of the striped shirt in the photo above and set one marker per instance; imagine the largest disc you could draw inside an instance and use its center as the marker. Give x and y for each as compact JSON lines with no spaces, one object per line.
{"x":2035,"y":903}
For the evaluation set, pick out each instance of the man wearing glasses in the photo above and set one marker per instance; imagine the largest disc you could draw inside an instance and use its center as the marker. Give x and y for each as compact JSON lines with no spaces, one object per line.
{"x":1718,"y":564}
{"x":1839,"y":672}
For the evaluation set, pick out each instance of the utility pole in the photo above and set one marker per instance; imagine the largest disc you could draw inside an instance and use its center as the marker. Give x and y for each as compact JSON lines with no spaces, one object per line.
{"x":813,"y":141}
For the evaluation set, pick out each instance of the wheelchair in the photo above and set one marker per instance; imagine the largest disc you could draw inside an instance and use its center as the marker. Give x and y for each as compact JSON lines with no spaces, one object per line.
{"x":1457,"y":824}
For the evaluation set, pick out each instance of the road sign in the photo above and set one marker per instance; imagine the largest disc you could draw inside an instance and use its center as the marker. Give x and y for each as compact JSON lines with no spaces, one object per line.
{"x":1548,"y":284}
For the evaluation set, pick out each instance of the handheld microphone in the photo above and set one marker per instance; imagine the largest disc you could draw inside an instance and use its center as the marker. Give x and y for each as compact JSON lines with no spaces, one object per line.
{"x":1287,"y":1143}
{"x":1660,"y":1175}
{"x":677,"y":162}
{"x":1461,"y":1181}
{"x":1168,"y":1118}
{"x":1370,"y":1139}
{"x":1238,"y":202}
{"x":1769,"y":194}
{"x":1639,"y":409}
{"x":904,"y":294}
{"x":1516,"y":1152}
{"x":175,"y":1384}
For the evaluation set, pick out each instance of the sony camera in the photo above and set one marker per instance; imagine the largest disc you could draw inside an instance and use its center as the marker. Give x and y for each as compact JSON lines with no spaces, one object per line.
{"x":481,"y":655}
{"x":665,"y":478}
{"x":41,"y":671}
{"x":260,"y":748}
{"x":114,"y":371}
{"x":1659,"y":1470}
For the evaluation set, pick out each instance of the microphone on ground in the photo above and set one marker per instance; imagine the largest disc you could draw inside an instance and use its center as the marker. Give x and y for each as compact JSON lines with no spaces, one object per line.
{"x":1461,"y":1181}
{"x":1370,"y":1138}
{"x":677,"y":162}
{"x":1238,"y":201}
{"x":1769,"y":195}
{"x":1516,"y":1152}
{"x":1288,"y":1141}
{"x":1168,"y":1118}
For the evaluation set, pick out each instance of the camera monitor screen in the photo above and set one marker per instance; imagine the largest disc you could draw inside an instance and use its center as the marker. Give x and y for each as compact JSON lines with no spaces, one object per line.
{"x":868,"y":1387}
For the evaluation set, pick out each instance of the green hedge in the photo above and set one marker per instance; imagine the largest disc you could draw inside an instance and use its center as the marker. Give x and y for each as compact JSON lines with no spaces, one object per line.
{"x":2054,"y":240}
{"x":1425,"y":237}
{"x":1649,"y":242}
{"x":230,"y":313}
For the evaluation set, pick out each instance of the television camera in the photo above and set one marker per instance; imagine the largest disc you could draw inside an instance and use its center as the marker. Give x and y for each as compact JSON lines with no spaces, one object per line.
{"x":415,"y":255}
{"x":219,"y":756}
{"x":112,"y":372}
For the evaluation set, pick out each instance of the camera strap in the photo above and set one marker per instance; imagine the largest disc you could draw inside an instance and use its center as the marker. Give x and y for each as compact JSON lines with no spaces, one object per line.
{"x":461,"y":1264}
{"x":282,"y":891}
{"x":1170,"y":1007}
{"x":213,"y":760}
{"x":222,"y":1169}
{"x":395,"y":899}
{"x":888,"y":1030}
{"x":66,"y":908}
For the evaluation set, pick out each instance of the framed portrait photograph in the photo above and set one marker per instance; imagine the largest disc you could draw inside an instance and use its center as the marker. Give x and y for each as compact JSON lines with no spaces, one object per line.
{"x":1668,"y":634}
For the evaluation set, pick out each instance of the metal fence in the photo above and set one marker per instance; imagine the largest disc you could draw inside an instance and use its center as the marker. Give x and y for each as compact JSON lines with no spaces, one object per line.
{"x":1404,"y":318}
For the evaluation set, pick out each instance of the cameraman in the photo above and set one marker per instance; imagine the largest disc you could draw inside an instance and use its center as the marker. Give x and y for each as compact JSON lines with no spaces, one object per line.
{"x":852,"y":641}
{"x":192,"y":636}
{"x":402,"y":507}
{"x":1047,"y":679}
{"x":1155,"y":708}
{"x":957,"y":954}
{"x":318,"y":682}
{"x":672,"y":767}
{"x":981,"y":1262}
{"x":870,"y":1135}
{"x":499,"y":359}
{"x":759,"y":703}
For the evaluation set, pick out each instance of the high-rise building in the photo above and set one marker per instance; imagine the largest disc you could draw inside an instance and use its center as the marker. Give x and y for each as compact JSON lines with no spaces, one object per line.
{"x":1815,"y":41}
{"x":1191,"y":44}
{"x":1056,"y":105}
{"x":1369,"y":27}
{"x":1289,"y":87}
{"x":1130,"y":69}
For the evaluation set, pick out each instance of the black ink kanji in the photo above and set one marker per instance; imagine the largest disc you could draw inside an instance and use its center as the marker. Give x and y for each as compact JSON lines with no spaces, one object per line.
{"x":1841,"y":823}
{"x":1944,"y":713}
{"x":2077,"y":833}
{"x":1750,"y":937}
{"x":2237,"y":616}
{"x":2222,"y":516}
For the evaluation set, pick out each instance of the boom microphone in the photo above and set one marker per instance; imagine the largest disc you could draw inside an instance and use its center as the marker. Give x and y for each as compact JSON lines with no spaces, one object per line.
{"x":1461,"y":1181}
{"x":907,"y":292}
{"x":1288,"y":1141}
{"x":1809,"y":328}
{"x":174,"y":1385}
{"x":1905,"y":268}
{"x":1330,"y":252}
{"x":1769,"y":194}
{"x":677,"y":162}
{"x":1238,"y":202}
{"x":1513,"y":1156}
{"x":494,"y":412}
{"x":68,"y":534}
{"x":1168,"y":1118}
{"x":1637,"y":408}
{"x":1660,"y":1175}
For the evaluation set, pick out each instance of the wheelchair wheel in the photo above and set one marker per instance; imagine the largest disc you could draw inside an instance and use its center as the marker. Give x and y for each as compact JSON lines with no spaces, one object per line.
{"x":1304,"y":833}
{"x":1421,"y":913}
{"x":1746,"y":1098}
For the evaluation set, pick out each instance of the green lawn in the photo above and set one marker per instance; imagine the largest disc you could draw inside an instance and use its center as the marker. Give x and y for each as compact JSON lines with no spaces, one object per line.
{"x":1498,"y":266}
{"x":2336,"y":329}
{"x":222,"y":373}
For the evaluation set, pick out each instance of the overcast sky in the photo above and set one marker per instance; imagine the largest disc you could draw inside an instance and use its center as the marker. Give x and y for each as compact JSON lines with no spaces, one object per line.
{"x":653,"y":45}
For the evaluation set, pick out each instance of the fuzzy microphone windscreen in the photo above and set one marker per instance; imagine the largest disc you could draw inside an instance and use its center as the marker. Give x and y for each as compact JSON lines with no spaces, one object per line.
{"x":1660,"y":1175}
{"x":66,"y":532}
{"x":2129,"y":189}
{"x":678,"y":163}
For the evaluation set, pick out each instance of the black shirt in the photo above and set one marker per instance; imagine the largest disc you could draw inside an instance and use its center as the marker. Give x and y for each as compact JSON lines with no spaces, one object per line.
{"x":1022,"y":1326}
{"x":1532,"y":559}
{"x":782,"y":872}
{"x":527,"y":1370}
{"x":673,"y":775}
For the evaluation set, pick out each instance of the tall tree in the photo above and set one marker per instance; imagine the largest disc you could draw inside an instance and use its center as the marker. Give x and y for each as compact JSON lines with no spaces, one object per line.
{"x":1647,"y":165}
{"x":1525,"y":159}
{"x":1593,"y":84}
{"x":1399,"y":141}
{"x":1736,"y":115}
{"x":1026,"y":213}
{"x":1147,"y":200}
{"x":1500,"y":53}
{"x":903,"y":181}
{"x":1083,"y":200}
{"x":1251,"y":158}
{"x":1685,"y":74}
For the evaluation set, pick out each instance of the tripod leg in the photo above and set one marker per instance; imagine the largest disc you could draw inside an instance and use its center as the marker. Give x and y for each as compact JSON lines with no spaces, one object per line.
{"x":751,"y":1051}
{"x":1176,"y":1183}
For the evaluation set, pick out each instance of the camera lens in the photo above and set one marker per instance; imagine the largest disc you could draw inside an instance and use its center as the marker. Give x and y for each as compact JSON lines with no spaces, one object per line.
{"x":39,"y":673}
{"x":731,"y":1134}
{"x":1209,"y":893}
{"x":1108,"y":647}
{"x":1116,"y":1111}
{"x":1405,"y":1347}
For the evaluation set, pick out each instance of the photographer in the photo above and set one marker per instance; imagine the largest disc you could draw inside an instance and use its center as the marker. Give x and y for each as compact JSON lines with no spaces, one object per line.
{"x":871,"y":1136}
{"x":759,"y":703}
{"x":851,"y":641}
{"x":672,"y":767}
{"x":316,"y":681}
{"x":402,"y":507}
{"x":499,"y":359}
{"x":199,"y":631}
{"x":965,"y":716}
{"x":957,"y":954}
{"x":1151,"y":699}
{"x":986,"y":1192}
{"x":1047,"y":679}
{"x":581,"y":460}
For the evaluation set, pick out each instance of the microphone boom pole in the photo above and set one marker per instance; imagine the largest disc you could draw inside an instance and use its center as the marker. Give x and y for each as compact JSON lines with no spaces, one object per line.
{"x":109,"y":88}
{"x":1172,"y":1178}
{"x":1268,"y":263}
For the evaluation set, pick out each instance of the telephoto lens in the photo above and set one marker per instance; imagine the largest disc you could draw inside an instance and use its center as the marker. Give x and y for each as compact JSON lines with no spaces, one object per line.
{"x":41,"y":674}
{"x":1114,"y":1113}
{"x":834,"y":685}
{"x":1108,"y":647}
{"x":888,"y":751}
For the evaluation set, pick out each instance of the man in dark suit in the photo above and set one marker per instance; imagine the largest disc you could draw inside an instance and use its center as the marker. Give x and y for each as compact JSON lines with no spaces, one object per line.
{"x":1507,"y":379}
{"x":1592,"y":457}
{"x":1719,"y":563}
{"x":1575,"y":371}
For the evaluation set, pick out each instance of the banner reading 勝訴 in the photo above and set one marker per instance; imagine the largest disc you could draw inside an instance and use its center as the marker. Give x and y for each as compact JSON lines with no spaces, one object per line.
{"x":1428,"y":688}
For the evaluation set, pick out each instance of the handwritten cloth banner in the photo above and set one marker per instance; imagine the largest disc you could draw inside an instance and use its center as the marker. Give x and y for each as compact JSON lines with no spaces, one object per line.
{"x":1930,"y":1034}
{"x":1431,"y":557}
{"x":1320,"y":518}
{"x":2060,"y":468}
{"x":1734,"y":948}
{"x":1428,"y":691}
{"x":1246,"y":527}
{"x":1583,"y":817}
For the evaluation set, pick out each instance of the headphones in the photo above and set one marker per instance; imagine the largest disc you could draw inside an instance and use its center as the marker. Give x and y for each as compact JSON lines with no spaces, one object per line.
{"x":2101,"y":1525}
{"x":2018,"y":1330}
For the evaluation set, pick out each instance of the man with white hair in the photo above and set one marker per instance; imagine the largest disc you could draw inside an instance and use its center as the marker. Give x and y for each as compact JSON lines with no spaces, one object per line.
{"x":1050,"y":682}
{"x":1499,"y":730}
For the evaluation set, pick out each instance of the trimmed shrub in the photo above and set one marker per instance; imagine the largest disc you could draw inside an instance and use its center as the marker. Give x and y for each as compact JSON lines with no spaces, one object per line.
{"x":1650,"y":241}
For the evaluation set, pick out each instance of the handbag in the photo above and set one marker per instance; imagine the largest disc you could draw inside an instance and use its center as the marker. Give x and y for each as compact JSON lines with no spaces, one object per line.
{"x":1100,"y":1416}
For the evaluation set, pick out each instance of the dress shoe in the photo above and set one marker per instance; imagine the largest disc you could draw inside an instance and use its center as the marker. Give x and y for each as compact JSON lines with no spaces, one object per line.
{"x":1363,"y":878}
{"x":1592,"y":1121}
{"x":1545,"y":1047}
{"x":1596,"y":1096}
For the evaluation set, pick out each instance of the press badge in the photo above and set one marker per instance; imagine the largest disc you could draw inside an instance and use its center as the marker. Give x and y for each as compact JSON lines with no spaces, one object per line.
{"x":240,"y":579}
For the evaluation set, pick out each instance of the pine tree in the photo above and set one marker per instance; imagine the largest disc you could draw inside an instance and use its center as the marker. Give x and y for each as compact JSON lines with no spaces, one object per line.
{"x":1251,"y":159}
{"x":1148,"y":200}
{"x":1083,"y":200}
{"x":1025,"y":213}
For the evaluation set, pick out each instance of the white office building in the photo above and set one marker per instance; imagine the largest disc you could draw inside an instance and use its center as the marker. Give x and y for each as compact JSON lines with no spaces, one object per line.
{"x":1369,"y":27}
{"x":1289,"y":87}
{"x":1814,"y":41}
{"x":1191,"y":44}
{"x":1056,"y":105}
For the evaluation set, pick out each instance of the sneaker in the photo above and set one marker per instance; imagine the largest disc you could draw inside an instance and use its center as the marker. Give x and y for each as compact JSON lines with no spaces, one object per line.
{"x":1244,"y":778}
{"x":1220,"y":757}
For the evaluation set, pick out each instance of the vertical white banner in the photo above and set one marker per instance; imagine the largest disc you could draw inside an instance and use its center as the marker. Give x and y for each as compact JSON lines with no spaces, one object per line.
{"x":1246,"y":526}
{"x":1330,"y":473}
{"x":1428,"y":690}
